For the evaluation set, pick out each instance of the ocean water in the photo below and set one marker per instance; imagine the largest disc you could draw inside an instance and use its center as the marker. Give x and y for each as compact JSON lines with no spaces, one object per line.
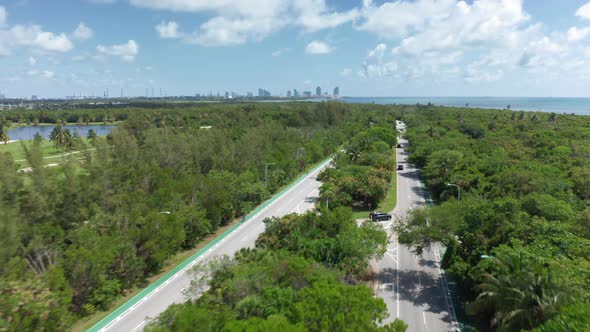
{"x":579,"y":106}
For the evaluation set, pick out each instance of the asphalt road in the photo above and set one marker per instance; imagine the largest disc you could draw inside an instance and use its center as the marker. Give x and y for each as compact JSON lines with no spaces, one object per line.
{"x":414,"y":288}
{"x":299,"y":198}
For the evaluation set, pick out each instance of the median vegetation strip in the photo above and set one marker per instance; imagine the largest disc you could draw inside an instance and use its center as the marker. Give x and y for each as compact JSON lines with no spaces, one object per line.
{"x":363,"y":175}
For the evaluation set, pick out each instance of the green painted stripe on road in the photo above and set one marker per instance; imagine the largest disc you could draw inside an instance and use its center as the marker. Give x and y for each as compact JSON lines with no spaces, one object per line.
{"x":149,"y":289}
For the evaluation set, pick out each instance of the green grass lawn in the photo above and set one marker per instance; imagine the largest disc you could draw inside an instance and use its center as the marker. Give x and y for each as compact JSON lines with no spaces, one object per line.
{"x":49,"y":150}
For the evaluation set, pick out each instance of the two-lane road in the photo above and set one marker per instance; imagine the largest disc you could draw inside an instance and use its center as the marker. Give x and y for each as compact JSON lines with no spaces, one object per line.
{"x":413,"y":287}
{"x":299,"y":198}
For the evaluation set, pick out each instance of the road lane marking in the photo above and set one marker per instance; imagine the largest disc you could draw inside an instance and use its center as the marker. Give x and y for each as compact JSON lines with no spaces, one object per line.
{"x":303,"y":201}
{"x":424,"y":318}
{"x":392,"y":257}
{"x":138,"y":326}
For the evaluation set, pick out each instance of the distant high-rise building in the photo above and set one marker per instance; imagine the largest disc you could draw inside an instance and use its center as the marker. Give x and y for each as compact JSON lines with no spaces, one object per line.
{"x":288,"y":93}
{"x":336,"y":91}
{"x":34,"y":97}
{"x":263,"y":93}
{"x":318,"y":91}
{"x":249,"y":94}
{"x":226,"y":95}
{"x":295,"y":93}
{"x":307,"y":93}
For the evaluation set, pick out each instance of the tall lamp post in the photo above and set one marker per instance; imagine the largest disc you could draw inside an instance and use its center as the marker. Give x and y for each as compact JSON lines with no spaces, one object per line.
{"x":266,"y":174}
{"x":458,"y":190}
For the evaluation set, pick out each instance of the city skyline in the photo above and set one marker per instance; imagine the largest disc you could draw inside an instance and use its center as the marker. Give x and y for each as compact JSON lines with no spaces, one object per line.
{"x":385,"y":48}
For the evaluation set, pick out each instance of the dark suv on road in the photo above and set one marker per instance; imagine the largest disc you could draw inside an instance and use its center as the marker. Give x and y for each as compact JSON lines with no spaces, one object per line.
{"x":379,"y":216}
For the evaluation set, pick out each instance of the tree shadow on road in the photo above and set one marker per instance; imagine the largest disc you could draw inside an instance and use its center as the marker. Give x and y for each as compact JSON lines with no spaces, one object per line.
{"x":420,"y":288}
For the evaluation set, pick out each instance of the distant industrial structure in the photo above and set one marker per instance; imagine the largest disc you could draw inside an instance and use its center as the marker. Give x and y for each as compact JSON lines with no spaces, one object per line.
{"x":263,"y":93}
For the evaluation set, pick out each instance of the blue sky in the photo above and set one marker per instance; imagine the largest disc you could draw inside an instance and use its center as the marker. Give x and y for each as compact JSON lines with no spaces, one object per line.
{"x":368,"y":48}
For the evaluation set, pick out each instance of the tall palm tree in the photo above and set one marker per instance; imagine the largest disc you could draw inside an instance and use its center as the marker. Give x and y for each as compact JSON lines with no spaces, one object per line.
{"x":57,"y":136}
{"x":3,"y":136}
{"x":522,"y":294}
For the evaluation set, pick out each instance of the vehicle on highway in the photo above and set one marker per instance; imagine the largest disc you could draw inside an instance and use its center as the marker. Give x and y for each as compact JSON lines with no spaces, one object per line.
{"x":400,"y":167}
{"x":379,"y":216}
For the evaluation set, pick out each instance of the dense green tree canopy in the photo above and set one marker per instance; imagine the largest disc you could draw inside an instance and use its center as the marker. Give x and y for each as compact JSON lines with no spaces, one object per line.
{"x":524,"y":203}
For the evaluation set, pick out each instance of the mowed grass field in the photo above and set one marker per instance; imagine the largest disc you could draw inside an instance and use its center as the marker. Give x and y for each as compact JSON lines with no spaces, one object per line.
{"x":51,"y":154}
{"x":18,"y":152}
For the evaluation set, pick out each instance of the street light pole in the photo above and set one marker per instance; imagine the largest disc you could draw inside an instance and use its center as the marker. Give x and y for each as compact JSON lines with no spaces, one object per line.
{"x":458,"y":190}
{"x":266,"y":174}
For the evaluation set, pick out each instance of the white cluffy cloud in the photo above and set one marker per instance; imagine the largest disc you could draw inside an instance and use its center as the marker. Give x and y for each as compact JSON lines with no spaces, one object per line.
{"x":236,"y":22}
{"x":375,"y":64}
{"x":31,"y":36}
{"x":444,"y":24}
{"x":433,"y":39}
{"x":575,"y":34}
{"x":82,"y":32}
{"x":127,"y":51}
{"x":584,"y":11}
{"x":318,"y":47}
{"x":168,"y":29}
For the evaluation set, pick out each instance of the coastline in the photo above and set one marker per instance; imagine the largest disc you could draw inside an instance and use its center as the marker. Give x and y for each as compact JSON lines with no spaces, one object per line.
{"x":558,"y":105}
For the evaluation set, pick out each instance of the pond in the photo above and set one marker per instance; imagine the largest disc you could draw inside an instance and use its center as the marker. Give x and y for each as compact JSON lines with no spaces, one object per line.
{"x":28,"y":132}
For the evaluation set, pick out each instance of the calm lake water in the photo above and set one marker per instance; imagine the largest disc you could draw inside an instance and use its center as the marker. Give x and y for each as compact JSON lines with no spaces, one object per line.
{"x":28,"y":132}
{"x":579,"y":106}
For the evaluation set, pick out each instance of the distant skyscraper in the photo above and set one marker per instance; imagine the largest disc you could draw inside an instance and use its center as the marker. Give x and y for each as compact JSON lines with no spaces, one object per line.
{"x":307,"y":93}
{"x":263,"y":93}
{"x":336,"y":91}
{"x":288,"y":93}
{"x":318,"y":91}
{"x":34,"y":97}
{"x":226,"y":95}
{"x":295,"y":93}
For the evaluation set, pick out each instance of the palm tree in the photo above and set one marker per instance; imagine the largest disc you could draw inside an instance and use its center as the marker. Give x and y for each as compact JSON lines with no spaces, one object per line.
{"x":68,"y":142}
{"x":521,"y":294}
{"x":3,"y":136}
{"x":57,"y":136}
